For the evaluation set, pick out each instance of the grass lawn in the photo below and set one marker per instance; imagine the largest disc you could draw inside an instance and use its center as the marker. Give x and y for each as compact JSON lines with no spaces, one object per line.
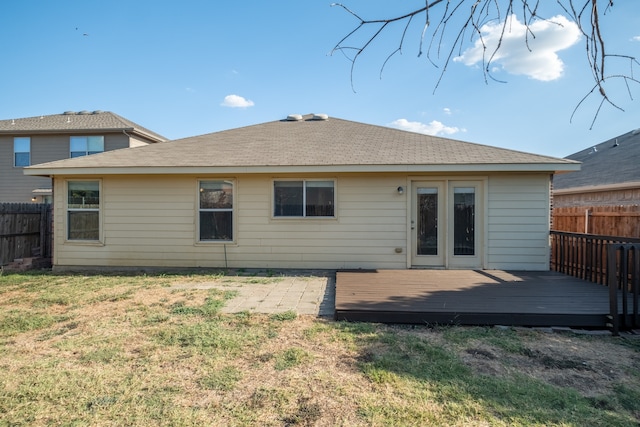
{"x":132,"y":350}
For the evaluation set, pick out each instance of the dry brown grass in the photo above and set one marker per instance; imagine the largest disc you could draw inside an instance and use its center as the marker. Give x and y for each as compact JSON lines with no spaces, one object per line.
{"x":126,"y":350}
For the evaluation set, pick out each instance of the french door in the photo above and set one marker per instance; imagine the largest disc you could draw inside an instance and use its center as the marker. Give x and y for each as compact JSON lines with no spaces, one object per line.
{"x":427,"y":224}
{"x":446,"y":224}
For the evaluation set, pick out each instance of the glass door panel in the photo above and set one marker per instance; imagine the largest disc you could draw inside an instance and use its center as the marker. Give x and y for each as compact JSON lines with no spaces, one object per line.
{"x":427,"y":216}
{"x":464,"y":204}
{"x":465,"y":224}
{"x":427,"y":224}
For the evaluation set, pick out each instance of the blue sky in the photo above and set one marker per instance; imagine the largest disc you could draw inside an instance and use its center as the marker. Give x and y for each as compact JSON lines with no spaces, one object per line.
{"x":194,"y":67}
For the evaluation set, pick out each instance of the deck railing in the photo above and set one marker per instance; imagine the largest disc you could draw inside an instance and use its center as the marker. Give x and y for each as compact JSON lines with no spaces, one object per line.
{"x":583,"y":255}
{"x":611,"y":261}
{"x":624,"y":286}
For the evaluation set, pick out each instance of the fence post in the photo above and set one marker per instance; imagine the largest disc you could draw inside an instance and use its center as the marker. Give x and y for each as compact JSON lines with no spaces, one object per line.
{"x":45,"y":230}
{"x":612,"y":282}
{"x":43,"y":225}
{"x":561,"y":255}
{"x":623,"y":280}
{"x":635,"y":284}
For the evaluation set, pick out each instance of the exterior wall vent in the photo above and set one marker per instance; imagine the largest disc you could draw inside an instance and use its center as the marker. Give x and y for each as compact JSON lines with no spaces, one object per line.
{"x":294,"y":117}
{"x":320,"y":117}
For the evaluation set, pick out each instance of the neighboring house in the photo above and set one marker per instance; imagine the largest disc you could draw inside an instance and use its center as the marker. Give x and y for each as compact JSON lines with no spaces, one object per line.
{"x":33,"y":140}
{"x":604,"y":197}
{"x":610,"y":175}
{"x":307,"y":192}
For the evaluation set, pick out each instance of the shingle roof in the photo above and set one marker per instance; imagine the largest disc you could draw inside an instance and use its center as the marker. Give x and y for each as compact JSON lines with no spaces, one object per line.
{"x":328,"y":143}
{"x":614,"y":161}
{"x":72,"y":122}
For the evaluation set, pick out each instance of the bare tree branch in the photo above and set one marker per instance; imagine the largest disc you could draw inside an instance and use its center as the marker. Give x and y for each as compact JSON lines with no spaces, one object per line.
{"x":468,"y":29}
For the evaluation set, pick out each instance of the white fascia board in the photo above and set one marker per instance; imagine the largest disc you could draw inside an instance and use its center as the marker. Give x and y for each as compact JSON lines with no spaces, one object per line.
{"x":181,"y":170}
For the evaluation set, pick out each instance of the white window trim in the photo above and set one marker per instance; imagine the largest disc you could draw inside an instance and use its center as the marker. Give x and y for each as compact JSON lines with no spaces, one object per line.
{"x":233,"y":210}
{"x":304,"y":200}
{"x":98,"y":242}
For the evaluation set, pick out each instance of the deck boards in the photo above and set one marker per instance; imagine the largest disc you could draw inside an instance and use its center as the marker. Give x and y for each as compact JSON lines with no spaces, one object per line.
{"x":470,"y":297}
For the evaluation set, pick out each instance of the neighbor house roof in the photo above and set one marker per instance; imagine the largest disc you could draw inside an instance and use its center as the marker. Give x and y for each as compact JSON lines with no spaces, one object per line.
{"x":612,"y":164}
{"x":76,"y":122}
{"x":310,"y":144}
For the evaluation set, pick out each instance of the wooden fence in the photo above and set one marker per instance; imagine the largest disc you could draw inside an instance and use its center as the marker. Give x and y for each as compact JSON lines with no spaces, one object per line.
{"x":602,"y":220}
{"x":25,"y":231}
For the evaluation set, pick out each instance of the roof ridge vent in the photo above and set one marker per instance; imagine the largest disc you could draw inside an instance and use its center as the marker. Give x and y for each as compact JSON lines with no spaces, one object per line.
{"x":294,"y":117}
{"x":84,"y":113}
{"x":320,"y":117}
{"x":97,"y":112}
{"x":69,"y":113}
{"x":635,"y":131}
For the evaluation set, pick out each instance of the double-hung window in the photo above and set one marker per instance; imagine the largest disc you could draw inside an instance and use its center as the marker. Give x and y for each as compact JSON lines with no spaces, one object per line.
{"x":305,"y":198}
{"x":85,"y":145}
{"x":215,"y":211}
{"x":21,"y":151}
{"x":83,"y":210}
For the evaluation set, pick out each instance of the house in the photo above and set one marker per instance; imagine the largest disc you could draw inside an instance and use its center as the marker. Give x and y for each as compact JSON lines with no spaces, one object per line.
{"x":33,"y":140}
{"x":610,"y":175}
{"x":604,"y":196}
{"x":310,"y":192}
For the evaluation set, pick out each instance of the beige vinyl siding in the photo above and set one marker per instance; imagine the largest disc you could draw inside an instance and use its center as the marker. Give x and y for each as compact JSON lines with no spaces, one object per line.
{"x":518,"y":222}
{"x":138,"y":142}
{"x":151,"y":221}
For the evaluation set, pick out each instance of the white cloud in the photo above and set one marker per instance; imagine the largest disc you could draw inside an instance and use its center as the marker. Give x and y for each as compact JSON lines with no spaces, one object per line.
{"x":545,"y":39}
{"x":447,"y":111}
{"x":235,"y":101}
{"x":636,"y":39}
{"x":434,"y":127}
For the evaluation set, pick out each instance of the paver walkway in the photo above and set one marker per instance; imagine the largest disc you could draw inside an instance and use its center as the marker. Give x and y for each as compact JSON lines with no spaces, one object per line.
{"x":304,"y":294}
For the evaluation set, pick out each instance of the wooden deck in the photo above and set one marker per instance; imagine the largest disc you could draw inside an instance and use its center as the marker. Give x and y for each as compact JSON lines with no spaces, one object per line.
{"x":469,"y":297}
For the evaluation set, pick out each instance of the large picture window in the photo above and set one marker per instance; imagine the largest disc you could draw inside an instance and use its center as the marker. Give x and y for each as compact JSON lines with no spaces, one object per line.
{"x":306,"y":198}
{"x":22,"y":151}
{"x":83,"y":210}
{"x":216,"y":211}
{"x":85,"y":145}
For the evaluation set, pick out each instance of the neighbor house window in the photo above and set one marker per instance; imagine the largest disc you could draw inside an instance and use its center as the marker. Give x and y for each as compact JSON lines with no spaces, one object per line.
{"x":307,"y":198}
{"x":85,"y":145}
{"x":83,"y":210}
{"x":22,"y":151}
{"x":216,"y":211}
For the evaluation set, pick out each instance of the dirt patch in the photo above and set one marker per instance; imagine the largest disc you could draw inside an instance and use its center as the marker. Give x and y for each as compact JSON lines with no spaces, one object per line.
{"x":591,"y":365}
